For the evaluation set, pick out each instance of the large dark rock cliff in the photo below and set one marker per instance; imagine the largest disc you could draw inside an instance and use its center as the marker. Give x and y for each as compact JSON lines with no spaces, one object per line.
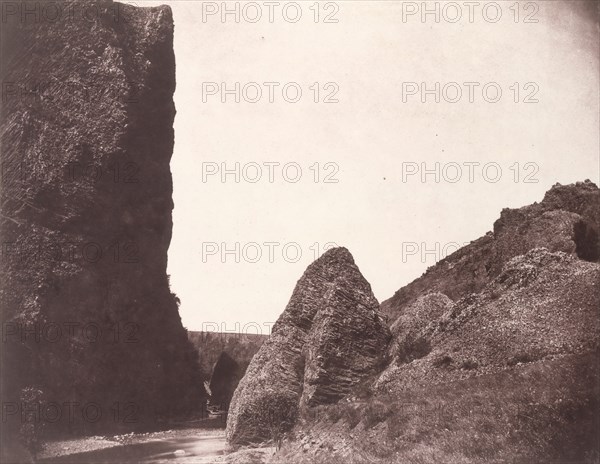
{"x":87,"y":137}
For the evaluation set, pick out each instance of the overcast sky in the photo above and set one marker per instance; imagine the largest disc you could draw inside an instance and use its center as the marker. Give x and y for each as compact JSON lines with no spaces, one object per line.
{"x":376,"y":132}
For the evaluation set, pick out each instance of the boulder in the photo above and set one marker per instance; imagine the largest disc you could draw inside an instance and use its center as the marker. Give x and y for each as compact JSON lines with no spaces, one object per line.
{"x":329,"y":338}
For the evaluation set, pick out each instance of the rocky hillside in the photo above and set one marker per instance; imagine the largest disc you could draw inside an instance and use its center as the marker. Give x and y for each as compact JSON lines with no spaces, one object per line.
{"x":87,"y":137}
{"x":493,"y":356}
{"x":566,"y":220}
{"x":328,"y":339}
{"x":541,"y":306}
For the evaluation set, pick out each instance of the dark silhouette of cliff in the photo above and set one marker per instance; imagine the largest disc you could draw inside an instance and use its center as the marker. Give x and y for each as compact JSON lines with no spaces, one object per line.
{"x":86,"y":200}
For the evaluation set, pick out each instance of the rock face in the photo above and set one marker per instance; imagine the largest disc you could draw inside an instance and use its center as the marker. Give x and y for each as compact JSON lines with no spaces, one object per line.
{"x":329,"y":338}
{"x":567,"y":220}
{"x":543,"y":305}
{"x":87,"y":137}
{"x":494,"y":352}
{"x":409,"y":342}
{"x":509,"y":295}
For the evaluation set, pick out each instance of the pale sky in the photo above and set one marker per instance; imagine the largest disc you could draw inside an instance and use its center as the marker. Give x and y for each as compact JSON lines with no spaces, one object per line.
{"x":366,"y":136}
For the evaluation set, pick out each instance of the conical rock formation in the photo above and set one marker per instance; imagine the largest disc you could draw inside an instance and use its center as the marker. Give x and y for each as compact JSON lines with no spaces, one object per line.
{"x":329,"y":338}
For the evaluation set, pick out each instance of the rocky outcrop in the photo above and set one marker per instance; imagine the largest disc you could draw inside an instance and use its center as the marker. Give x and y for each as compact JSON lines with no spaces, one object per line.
{"x":543,"y":305}
{"x":409,"y":331}
{"x":494,"y":352}
{"x":329,"y":338}
{"x":552,"y":245}
{"x":566,"y":220}
{"x":87,"y":137}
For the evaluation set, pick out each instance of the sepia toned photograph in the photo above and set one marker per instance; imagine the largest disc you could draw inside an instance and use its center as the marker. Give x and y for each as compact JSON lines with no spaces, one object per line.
{"x":300,"y":232}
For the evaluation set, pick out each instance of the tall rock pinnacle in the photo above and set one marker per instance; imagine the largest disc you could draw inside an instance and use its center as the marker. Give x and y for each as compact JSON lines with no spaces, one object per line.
{"x":329,"y":338}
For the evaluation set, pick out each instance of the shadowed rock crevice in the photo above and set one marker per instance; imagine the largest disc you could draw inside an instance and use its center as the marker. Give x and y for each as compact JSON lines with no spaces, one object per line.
{"x":587,"y":241}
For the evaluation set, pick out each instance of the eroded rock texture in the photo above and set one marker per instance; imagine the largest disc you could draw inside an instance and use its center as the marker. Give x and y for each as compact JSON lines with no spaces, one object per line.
{"x":87,"y":137}
{"x":543,"y":305}
{"x":495,"y":345}
{"x":526,"y":292}
{"x":567,"y":220}
{"x":329,"y":338}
